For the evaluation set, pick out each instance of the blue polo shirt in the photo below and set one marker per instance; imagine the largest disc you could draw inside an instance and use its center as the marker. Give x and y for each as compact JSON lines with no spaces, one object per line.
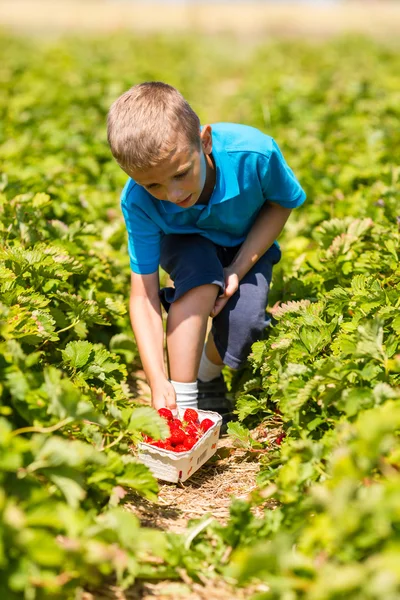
{"x":250,"y":169}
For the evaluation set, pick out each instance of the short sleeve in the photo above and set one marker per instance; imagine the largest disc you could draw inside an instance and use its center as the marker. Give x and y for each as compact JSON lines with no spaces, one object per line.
{"x":279,"y":183}
{"x":143,"y":239}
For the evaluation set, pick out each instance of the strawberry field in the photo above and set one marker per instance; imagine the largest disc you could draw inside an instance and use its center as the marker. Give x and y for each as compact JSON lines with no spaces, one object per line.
{"x":323,"y":520}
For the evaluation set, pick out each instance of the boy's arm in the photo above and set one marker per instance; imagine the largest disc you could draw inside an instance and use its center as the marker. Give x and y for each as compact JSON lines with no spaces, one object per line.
{"x":146,"y":319}
{"x":268,"y":225}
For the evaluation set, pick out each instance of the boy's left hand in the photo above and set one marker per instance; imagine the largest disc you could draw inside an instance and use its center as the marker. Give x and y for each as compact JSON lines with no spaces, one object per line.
{"x":231,"y":285}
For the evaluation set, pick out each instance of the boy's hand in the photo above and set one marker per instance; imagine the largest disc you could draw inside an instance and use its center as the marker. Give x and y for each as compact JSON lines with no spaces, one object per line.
{"x":231,"y":285}
{"x":163,"y":395}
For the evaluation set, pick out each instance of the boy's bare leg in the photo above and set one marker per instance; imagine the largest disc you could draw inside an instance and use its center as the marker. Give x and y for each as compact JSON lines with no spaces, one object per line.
{"x":186,"y":330}
{"x":212,"y":352}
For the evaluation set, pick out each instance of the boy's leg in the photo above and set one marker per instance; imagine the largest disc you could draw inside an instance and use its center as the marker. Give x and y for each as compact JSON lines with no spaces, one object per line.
{"x":211,"y":364}
{"x":243,"y":319}
{"x":186,"y":330}
{"x":241,"y":322}
{"x":197,"y":273}
{"x":211,"y":351}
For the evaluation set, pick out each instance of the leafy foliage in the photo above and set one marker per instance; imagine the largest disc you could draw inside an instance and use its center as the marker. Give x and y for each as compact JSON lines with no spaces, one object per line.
{"x":329,"y":369}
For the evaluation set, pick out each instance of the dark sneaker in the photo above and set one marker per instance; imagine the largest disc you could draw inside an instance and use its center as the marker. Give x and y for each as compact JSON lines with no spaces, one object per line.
{"x":213,"y":396}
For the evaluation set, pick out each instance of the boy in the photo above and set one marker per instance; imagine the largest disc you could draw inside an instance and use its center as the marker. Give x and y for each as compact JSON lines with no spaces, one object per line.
{"x":207,"y":205}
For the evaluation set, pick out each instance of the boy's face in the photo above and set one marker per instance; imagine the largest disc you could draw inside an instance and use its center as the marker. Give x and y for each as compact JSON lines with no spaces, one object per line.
{"x":181,"y":177}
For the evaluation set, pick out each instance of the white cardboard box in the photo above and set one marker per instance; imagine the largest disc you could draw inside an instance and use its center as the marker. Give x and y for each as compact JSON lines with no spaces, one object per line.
{"x":179,"y":466}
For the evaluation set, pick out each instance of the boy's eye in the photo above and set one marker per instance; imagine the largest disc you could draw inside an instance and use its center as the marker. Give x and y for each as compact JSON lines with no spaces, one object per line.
{"x":181,"y":175}
{"x":178,"y":176}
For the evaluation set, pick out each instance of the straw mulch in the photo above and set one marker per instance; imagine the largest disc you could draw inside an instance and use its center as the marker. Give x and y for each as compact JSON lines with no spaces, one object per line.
{"x":168,"y":590}
{"x":231,"y":473}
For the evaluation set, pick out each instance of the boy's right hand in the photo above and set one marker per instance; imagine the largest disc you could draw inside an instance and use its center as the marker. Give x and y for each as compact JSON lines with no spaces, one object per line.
{"x":163,"y":395}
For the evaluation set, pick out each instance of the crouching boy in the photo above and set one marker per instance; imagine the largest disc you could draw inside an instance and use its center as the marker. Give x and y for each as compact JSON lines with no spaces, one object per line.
{"x":207,"y":204}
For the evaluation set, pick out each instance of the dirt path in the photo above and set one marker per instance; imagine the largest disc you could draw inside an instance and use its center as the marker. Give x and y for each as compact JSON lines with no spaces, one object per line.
{"x":380,"y":18}
{"x":230,"y":473}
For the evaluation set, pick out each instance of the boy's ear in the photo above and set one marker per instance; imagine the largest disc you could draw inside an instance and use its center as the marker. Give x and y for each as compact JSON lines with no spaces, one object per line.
{"x":206,"y":139}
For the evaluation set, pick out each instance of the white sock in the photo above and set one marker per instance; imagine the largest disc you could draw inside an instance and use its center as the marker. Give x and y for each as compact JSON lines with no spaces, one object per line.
{"x":208,"y":370}
{"x":186,"y":394}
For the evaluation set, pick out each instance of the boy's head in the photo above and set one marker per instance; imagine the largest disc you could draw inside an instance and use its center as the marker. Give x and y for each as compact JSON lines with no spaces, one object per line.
{"x":155,"y":137}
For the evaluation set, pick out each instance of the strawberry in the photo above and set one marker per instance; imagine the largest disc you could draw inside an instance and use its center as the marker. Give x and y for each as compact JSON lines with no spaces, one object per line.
{"x":166,"y":413}
{"x":192,"y":430}
{"x":177,"y":437}
{"x":279,"y":439}
{"x":189,"y":442}
{"x":190,"y":415}
{"x":180,"y":448}
{"x":175,"y":423}
{"x":169,"y":447}
{"x":159,"y":444}
{"x":206,"y":424}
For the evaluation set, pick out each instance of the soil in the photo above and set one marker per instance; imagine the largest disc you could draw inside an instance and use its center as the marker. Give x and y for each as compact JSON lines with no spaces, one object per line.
{"x":230,"y":473}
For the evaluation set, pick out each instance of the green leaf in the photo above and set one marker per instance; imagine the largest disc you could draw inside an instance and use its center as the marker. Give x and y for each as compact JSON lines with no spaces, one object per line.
{"x":77,"y":354}
{"x":247,"y":405}
{"x":146,"y":420}
{"x":391,"y":247}
{"x":356,"y":400}
{"x":313,"y":339}
{"x":40,"y":200}
{"x":122,"y":341}
{"x":116,"y":305}
{"x":71,"y":489}
{"x":124,"y":524}
{"x":42,"y":548}
{"x":242,"y":436}
{"x":396,"y":324}
{"x":257,"y":352}
{"x":359,"y":227}
{"x":138,"y":477}
{"x":56,"y":451}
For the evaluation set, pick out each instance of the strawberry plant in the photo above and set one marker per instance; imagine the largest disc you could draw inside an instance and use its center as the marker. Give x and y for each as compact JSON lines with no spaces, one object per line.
{"x":327,"y":371}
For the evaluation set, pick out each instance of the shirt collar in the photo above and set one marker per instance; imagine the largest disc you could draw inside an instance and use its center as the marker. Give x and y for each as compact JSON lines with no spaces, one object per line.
{"x":226,"y":185}
{"x":226,"y":182}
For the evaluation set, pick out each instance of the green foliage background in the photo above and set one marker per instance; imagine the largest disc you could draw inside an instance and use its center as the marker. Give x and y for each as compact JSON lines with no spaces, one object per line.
{"x":330,"y":364}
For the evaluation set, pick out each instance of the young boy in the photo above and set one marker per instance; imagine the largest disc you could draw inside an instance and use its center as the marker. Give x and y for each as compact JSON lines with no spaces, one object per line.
{"x":207,"y":205}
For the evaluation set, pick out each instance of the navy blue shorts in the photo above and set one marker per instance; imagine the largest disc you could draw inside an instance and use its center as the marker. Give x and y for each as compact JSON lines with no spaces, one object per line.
{"x":193,"y":260}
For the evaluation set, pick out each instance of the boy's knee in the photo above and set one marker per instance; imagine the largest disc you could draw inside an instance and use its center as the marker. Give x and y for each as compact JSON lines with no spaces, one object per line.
{"x":199,"y":293}
{"x":192,"y":264}
{"x":249,"y":326}
{"x":236,"y":330}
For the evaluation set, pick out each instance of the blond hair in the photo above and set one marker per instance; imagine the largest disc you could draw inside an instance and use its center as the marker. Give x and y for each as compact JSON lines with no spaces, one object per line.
{"x":141,"y":121}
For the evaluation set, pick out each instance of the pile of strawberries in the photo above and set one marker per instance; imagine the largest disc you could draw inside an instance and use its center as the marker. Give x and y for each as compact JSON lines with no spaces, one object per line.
{"x":184,"y":434}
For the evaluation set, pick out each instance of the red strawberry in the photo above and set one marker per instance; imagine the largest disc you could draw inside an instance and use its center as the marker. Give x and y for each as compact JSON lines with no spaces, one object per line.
{"x":177,"y":437}
{"x":190,"y":442}
{"x":180,"y":448}
{"x":166,"y":413}
{"x":159,"y":444}
{"x":175,"y":423}
{"x":190,"y":415}
{"x":206,"y":424}
{"x":169,"y":447}
{"x":192,"y":430}
{"x":280,"y":438}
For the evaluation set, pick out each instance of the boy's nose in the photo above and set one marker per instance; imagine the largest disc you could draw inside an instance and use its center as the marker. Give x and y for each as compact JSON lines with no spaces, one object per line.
{"x":174,"y":194}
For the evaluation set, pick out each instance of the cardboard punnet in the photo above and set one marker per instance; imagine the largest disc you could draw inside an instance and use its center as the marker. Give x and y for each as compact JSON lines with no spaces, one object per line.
{"x":179,"y":466}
